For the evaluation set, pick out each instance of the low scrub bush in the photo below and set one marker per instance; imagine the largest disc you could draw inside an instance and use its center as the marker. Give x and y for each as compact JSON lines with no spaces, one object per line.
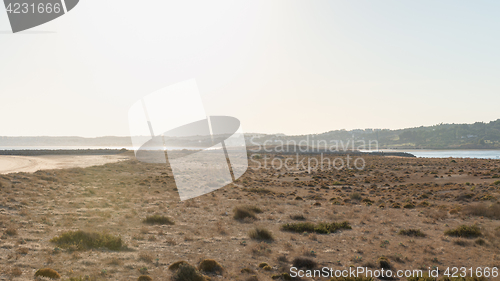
{"x":82,"y":240}
{"x":259,"y":233}
{"x":144,"y":278}
{"x":209,"y":265}
{"x":464,"y":231}
{"x":244,"y":212}
{"x":483,"y":210}
{"x":158,"y":219}
{"x":187,"y":272}
{"x":321,"y":228}
{"x":47,"y":272}
{"x":298,"y":217}
{"x":175,"y":266}
{"x":301,"y":262}
{"x":412,"y":232}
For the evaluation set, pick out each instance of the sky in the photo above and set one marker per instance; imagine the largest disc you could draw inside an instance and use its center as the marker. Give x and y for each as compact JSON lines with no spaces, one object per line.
{"x":293,"y":67}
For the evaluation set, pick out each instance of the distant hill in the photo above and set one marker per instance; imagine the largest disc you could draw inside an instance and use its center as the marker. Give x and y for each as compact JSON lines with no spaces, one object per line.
{"x":443,"y":136}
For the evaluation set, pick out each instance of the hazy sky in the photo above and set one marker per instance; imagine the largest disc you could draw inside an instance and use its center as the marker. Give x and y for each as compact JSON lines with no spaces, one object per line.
{"x":291,"y":67}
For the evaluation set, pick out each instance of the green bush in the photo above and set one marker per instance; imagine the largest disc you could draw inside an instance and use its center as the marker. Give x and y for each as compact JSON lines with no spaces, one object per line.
{"x":465,"y":231}
{"x":81,"y":240}
{"x":321,"y":228}
{"x":158,"y":219}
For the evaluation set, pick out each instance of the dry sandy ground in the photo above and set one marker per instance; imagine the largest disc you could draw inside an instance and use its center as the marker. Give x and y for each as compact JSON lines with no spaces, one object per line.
{"x":390,"y":194}
{"x":31,"y":164}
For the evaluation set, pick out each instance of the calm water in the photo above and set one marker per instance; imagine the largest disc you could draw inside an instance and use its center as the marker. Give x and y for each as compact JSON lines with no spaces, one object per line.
{"x":459,"y":153}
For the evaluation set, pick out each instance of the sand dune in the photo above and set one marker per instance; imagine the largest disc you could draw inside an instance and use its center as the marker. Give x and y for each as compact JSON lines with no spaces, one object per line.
{"x":30,"y":164}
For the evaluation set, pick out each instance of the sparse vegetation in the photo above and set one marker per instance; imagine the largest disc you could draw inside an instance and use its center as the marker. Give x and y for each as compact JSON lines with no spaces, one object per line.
{"x":81,"y":240}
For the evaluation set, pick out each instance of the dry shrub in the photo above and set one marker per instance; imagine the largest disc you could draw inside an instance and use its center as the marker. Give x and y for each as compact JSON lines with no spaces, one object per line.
{"x":115,"y":261}
{"x":11,"y":231}
{"x":47,"y":272}
{"x":464,"y":231}
{"x":147,"y":257}
{"x":301,"y":262}
{"x":209,"y":265}
{"x":23,"y":251}
{"x":260,"y":233}
{"x":483,"y":210}
{"x":220,"y":228}
{"x":252,"y":278}
{"x":175,"y":266}
{"x":158,"y":219}
{"x":412,"y":232}
{"x":261,"y":249}
{"x":243,"y":212}
{"x":187,"y":272}
{"x":81,"y":240}
{"x":439,"y":214}
{"x":298,"y":217}
{"x":16,"y":271}
{"x":144,"y":278}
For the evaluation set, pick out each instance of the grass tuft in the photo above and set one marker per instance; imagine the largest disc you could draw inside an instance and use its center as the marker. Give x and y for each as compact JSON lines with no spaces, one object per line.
{"x":259,"y":233}
{"x":158,"y":219}
{"x":243,"y":212}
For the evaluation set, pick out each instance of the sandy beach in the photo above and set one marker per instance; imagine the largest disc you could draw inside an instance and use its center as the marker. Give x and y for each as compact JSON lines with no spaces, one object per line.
{"x":31,"y":164}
